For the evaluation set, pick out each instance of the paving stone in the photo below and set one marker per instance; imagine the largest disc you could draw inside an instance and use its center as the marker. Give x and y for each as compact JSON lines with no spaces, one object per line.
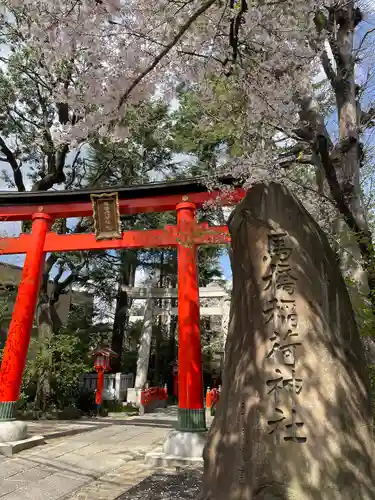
{"x":98,"y":465}
{"x":53,"y":428}
{"x":112,"y":484}
{"x":11,"y":466}
{"x":34,"y":474}
{"x":22,"y":479}
{"x":49,"y":488}
{"x":9,"y":485}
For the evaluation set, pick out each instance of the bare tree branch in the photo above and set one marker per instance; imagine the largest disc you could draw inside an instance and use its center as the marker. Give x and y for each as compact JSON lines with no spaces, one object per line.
{"x":328,"y":69}
{"x":368,"y":118}
{"x":368,"y":32}
{"x":166,"y":50}
{"x":50,"y":262}
{"x":202,"y":56}
{"x":69,"y":184}
{"x":11,"y":159}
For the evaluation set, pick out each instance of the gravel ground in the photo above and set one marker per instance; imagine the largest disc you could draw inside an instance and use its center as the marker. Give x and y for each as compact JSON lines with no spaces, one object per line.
{"x":167,"y":486}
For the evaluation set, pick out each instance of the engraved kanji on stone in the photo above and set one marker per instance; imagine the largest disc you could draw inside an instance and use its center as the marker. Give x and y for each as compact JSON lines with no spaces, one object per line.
{"x":281,"y":275}
{"x":288,"y":306}
{"x":275,"y":384}
{"x":285,"y":348}
{"x":277,"y":247}
{"x":288,"y":313}
{"x":276,"y":421}
{"x":275,"y":349}
{"x":293,"y":384}
{"x":285,"y":279}
{"x":293,"y":428}
{"x":292,"y":320}
{"x":288,"y":334}
{"x":270,"y":311}
{"x":279,"y":308}
{"x":289,"y":354}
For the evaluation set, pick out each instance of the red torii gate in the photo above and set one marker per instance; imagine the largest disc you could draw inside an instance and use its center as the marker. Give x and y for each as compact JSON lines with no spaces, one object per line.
{"x":106,"y":205}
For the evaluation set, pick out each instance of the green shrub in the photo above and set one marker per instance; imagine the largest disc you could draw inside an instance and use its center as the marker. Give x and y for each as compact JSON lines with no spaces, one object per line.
{"x":86,"y":402}
{"x":113,"y":406}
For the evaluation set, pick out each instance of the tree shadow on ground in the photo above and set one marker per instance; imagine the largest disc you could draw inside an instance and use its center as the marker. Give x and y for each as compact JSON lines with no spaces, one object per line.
{"x":163,"y":486}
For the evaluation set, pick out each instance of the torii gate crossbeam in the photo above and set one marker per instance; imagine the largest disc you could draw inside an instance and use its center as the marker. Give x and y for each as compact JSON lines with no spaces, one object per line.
{"x":152,"y":238}
{"x":44,"y":207}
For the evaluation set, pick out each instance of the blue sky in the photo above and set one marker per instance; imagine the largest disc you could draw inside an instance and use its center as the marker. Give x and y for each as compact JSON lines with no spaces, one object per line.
{"x":225,"y":264}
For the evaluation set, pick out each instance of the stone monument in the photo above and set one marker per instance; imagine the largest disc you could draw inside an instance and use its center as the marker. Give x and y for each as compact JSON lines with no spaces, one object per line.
{"x":294,"y":421}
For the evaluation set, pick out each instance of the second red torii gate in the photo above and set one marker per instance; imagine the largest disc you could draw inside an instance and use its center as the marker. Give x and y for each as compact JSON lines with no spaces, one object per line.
{"x":43,"y":207}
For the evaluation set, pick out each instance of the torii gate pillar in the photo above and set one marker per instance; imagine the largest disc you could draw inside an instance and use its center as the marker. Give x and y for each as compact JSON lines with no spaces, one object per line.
{"x":188,"y":441}
{"x":191,"y":413}
{"x":17,"y":344}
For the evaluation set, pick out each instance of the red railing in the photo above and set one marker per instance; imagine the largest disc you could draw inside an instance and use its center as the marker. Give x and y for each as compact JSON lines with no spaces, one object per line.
{"x":153,"y":394}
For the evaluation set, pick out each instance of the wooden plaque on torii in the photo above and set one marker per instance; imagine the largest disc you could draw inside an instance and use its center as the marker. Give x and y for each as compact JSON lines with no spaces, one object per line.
{"x":106,"y":214}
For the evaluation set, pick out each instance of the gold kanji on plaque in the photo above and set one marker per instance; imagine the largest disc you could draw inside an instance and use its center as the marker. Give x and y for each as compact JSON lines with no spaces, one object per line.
{"x":106,"y":215}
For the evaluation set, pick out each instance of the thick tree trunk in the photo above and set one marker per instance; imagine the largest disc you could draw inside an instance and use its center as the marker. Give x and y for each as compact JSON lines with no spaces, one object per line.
{"x":143,"y":359}
{"x":345,"y":187}
{"x":127,"y":278}
{"x":45,"y":333}
{"x":44,"y":367}
{"x":341,"y":163}
{"x":160,"y":327}
{"x":157,"y":360}
{"x":350,"y":150}
{"x":172,"y":348}
{"x":119,"y":323}
{"x":173,"y":327}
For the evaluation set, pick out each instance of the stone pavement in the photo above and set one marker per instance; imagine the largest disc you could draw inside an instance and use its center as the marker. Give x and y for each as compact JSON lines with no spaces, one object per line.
{"x":58,"y":428}
{"x":97,"y":465}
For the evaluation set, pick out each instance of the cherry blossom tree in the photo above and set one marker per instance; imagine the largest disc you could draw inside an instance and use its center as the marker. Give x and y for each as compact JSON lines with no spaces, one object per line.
{"x":104,"y":55}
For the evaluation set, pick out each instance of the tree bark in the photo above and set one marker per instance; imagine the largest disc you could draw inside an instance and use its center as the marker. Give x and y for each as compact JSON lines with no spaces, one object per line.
{"x":341,"y":164}
{"x":45,"y":333}
{"x":44,"y":317}
{"x":127,"y":278}
{"x":350,"y":148}
{"x":159,"y":331}
{"x":143,"y":359}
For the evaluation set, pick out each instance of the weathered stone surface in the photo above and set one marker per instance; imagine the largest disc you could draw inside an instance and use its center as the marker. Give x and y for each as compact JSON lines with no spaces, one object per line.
{"x":185,"y":444}
{"x":12,"y":430}
{"x":294,"y":420}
